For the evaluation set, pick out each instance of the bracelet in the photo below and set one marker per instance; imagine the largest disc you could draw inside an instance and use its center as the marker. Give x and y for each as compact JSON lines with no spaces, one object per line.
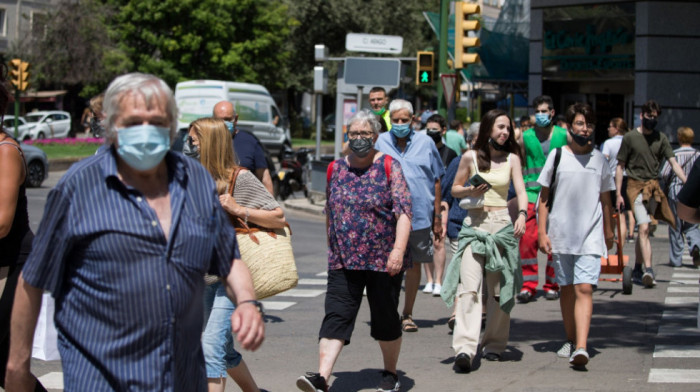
{"x":247,"y":214}
{"x":523,"y":213}
{"x":255,"y":303}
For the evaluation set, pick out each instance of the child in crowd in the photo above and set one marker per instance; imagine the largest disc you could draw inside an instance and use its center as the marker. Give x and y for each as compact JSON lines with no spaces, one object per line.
{"x":575,"y":203}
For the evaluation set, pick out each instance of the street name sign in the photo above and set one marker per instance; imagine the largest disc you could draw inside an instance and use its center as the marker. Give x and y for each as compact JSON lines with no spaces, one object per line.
{"x":373,"y":43}
{"x":362,"y":71}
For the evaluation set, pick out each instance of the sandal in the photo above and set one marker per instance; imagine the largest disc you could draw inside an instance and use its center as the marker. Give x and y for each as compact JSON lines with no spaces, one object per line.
{"x":407,"y":324}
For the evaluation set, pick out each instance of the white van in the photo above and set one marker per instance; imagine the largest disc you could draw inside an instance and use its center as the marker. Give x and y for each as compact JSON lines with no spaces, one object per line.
{"x":257,"y":111}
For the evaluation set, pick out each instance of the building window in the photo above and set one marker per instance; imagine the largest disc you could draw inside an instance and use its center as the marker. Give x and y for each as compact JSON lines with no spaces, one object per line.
{"x":3,"y":22}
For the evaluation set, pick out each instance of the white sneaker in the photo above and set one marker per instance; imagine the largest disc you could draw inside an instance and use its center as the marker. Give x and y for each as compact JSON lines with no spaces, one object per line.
{"x":428,"y":288}
{"x":436,"y":289}
{"x":579,"y":357}
{"x":565,"y":350}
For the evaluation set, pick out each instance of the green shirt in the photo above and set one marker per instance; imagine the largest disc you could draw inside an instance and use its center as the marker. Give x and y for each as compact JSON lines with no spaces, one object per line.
{"x":644,"y":154}
{"x":455,"y":141}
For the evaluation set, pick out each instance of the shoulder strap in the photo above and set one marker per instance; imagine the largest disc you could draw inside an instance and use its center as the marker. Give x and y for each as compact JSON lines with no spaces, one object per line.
{"x":557,"y":158}
{"x":387,"y":167}
{"x":329,"y":172}
{"x":232,"y":180}
{"x":476,"y":164}
{"x":19,"y":149}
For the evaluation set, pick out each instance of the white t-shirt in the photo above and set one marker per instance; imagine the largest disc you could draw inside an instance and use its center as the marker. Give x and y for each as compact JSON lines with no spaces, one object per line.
{"x":610,"y":149}
{"x":576,"y":219}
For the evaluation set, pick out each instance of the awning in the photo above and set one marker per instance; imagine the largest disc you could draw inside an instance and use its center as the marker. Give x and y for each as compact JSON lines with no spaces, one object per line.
{"x":39,"y":96}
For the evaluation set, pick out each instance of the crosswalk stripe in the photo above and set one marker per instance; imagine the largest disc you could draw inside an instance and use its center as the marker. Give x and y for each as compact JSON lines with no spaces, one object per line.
{"x":684,"y":282}
{"x":681,"y":300}
{"x":324,"y":273}
{"x":675,"y":289}
{"x":277,"y":305}
{"x":678,"y":315}
{"x":676,"y":351}
{"x":306,"y":293}
{"x":677,"y":330}
{"x":679,"y":275}
{"x":53,"y":380}
{"x":314,"y":282}
{"x":674,"y":376}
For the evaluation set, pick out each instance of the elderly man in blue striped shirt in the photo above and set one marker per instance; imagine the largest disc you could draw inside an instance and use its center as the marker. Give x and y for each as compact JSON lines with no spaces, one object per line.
{"x":126,"y":238}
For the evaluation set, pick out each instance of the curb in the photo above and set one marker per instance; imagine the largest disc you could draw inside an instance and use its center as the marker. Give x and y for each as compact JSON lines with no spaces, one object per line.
{"x":62,"y":164}
{"x":304,"y":205}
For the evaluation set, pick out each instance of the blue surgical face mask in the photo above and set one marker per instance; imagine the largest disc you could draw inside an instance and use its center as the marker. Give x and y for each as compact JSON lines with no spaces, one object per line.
{"x":229,"y":125}
{"x":542,"y":119}
{"x":143,"y":146}
{"x":400,"y":130}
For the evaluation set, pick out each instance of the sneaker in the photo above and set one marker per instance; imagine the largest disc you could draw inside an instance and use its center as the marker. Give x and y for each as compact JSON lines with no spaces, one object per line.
{"x":428,"y":288}
{"x":551,"y":295}
{"x":637,"y":276}
{"x":695,"y":254}
{"x":524,"y":297}
{"x":630,"y":239}
{"x":565,"y":350}
{"x":579,"y":357}
{"x":463,"y":363}
{"x":436,"y":289}
{"x":648,"y":278}
{"x":390,"y":382}
{"x":312,"y":382}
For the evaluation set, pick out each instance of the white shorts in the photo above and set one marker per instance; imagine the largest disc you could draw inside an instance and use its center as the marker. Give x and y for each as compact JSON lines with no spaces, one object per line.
{"x":641,"y":215}
{"x":576,"y":269}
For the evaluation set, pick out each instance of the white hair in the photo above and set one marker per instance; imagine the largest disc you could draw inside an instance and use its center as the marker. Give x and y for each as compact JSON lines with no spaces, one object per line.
{"x":365,"y":117}
{"x":400,"y":104}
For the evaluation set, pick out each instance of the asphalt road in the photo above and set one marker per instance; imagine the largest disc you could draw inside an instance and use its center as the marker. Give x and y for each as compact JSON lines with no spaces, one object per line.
{"x":647,"y":341}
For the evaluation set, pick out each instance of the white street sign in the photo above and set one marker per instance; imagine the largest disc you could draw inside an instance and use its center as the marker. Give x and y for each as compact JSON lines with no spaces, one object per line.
{"x":374,"y":43}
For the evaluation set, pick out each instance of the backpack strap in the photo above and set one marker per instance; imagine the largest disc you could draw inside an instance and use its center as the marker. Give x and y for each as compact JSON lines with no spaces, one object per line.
{"x":387,"y":168}
{"x":557,"y":158}
{"x":329,"y":172}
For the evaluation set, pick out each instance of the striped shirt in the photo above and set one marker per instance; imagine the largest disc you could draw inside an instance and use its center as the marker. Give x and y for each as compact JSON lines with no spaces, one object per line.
{"x":685,"y":156}
{"x":129,"y":305}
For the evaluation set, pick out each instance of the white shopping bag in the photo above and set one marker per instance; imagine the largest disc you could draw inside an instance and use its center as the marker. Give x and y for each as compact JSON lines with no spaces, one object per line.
{"x":45,"y":336}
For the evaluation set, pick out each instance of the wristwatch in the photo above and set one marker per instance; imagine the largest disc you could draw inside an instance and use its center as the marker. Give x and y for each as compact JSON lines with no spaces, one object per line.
{"x":257,"y":304}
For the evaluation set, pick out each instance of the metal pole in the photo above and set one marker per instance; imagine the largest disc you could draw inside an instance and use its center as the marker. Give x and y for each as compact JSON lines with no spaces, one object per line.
{"x":442,"y":54}
{"x":17,"y":112}
{"x":359,"y":98}
{"x":319,"y":103}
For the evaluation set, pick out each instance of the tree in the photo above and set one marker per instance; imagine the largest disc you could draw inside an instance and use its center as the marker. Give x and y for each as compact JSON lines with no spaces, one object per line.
{"x":243,"y":40}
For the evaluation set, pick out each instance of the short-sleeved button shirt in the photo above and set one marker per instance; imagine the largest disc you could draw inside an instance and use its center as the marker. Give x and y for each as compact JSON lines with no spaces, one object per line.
{"x":129,"y":305}
{"x":422,"y":167}
{"x":690,"y":193}
{"x":644,"y":154}
{"x":249,"y":152}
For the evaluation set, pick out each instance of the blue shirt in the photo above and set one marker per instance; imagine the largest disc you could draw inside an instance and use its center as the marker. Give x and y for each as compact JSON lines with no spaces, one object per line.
{"x":422,"y":167}
{"x":249,"y":152}
{"x":455,"y":215}
{"x":129,"y":304}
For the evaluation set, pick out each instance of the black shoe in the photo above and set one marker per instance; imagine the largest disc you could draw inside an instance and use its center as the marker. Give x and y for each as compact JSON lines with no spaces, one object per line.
{"x":463,"y":363}
{"x":312,"y":382}
{"x":695,"y":254}
{"x":390,"y":382}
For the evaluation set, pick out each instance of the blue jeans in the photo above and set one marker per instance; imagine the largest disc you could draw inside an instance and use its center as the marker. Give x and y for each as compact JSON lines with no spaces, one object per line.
{"x":683,"y":228}
{"x":217,"y":340}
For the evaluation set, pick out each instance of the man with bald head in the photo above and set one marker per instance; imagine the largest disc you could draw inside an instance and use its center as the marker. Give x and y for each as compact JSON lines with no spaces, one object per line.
{"x":249,"y":151}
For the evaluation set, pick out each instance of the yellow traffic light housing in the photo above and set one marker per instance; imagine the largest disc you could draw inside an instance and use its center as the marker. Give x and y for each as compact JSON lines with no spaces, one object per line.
{"x":463,"y":25}
{"x":425,"y":68}
{"x":19,"y":71}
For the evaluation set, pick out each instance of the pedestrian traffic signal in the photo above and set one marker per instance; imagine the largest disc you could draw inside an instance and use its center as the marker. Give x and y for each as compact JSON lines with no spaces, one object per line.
{"x":424,"y":69}
{"x":463,"y":25}
{"x":19,"y":70}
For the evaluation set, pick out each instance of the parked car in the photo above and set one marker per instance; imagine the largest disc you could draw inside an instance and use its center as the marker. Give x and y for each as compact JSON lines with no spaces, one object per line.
{"x":48,"y":124}
{"x":8,"y":123}
{"x":37,"y":165}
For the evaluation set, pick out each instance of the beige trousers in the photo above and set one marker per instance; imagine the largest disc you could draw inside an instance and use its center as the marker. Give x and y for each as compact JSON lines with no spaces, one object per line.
{"x":468,"y":309}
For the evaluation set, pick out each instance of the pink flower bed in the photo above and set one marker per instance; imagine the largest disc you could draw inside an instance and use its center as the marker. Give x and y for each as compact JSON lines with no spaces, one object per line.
{"x":67,"y":141}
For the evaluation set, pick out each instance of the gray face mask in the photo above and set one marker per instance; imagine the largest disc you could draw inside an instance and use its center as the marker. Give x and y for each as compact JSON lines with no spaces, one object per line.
{"x":361,"y":146}
{"x":190,"y":150}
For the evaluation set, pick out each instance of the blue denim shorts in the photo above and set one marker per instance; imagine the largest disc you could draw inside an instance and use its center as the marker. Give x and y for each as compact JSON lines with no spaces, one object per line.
{"x":576,"y":269}
{"x":217,"y":340}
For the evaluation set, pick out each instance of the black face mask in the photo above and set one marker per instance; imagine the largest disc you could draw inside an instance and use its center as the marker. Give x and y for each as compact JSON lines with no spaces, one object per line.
{"x":582,"y":141}
{"x":361,"y":146}
{"x":497,"y":146}
{"x":436,"y":136}
{"x":649,"y":123}
{"x":190,"y":149}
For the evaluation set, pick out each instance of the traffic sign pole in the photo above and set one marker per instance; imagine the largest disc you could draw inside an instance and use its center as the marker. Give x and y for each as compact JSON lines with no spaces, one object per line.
{"x":442,"y":54}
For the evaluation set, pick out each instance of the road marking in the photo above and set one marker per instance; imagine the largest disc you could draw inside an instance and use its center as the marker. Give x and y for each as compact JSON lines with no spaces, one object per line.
{"x":677,"y":330}
{"x":324,"y":273}
{"x":684,"y":282}
{"x":679,"y":275}
{"x":674,"y":376}
{"x":675,"y":289}
{"x":314,"y":282}
{"x":681,"y":300}
{"x":306,"y":293}
{"x":277,"y":305}
{"x":53,"y":380}
{"x":676,"y":351}
{"x":678,"y":315}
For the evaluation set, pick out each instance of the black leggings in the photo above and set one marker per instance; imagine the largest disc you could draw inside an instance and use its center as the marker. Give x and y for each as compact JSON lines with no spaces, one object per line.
{"x":6,"y":300}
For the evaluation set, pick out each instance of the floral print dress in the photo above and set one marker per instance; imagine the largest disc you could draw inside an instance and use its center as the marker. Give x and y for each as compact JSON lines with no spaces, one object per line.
{"x":363,"y":207}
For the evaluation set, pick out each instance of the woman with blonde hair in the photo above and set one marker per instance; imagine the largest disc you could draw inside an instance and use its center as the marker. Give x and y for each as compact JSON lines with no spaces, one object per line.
{"x":210,"y":141}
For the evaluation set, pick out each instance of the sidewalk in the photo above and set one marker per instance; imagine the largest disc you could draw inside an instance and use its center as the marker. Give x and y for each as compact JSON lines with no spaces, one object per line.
{"x":304,"y":205}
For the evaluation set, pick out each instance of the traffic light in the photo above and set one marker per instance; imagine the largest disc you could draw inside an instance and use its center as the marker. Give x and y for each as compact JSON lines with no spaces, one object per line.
{"x":463,"y":25}
{"x":20,"y":74}
{"x":425,"y":68}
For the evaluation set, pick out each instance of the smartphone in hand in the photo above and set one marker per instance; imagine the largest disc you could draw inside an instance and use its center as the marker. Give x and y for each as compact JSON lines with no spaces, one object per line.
{"x":477,"y":180}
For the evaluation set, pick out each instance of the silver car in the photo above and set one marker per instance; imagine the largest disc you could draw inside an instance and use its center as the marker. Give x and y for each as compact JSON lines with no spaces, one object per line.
{"x":48,"y":124}
{"x":8,"y":124}
{"x":37,"y":165}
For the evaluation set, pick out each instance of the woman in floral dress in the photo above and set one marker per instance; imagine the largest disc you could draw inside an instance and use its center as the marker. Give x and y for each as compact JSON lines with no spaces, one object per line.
{"x":368,"y":219}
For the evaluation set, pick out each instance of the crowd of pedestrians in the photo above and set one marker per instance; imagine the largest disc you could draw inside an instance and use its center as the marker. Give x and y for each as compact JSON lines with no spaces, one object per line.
{"x":137,"y":220}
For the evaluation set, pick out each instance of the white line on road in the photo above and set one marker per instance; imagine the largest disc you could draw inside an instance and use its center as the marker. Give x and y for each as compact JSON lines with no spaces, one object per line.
{"x":314,"y":282}
{"x":684,"y":282}
{"x":677,"y":330}
{"x":679,"y":275}
{"x":676,"y":351}
{"x":53,"y":380}
{"x":674,"y":376}
{"x":277,"y":305}
{"x":676,"y":289}
{"x":301,"y":293}
{"x":678,"y":315}
{"x":681,"y":300}
{"x":324,"y":273}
